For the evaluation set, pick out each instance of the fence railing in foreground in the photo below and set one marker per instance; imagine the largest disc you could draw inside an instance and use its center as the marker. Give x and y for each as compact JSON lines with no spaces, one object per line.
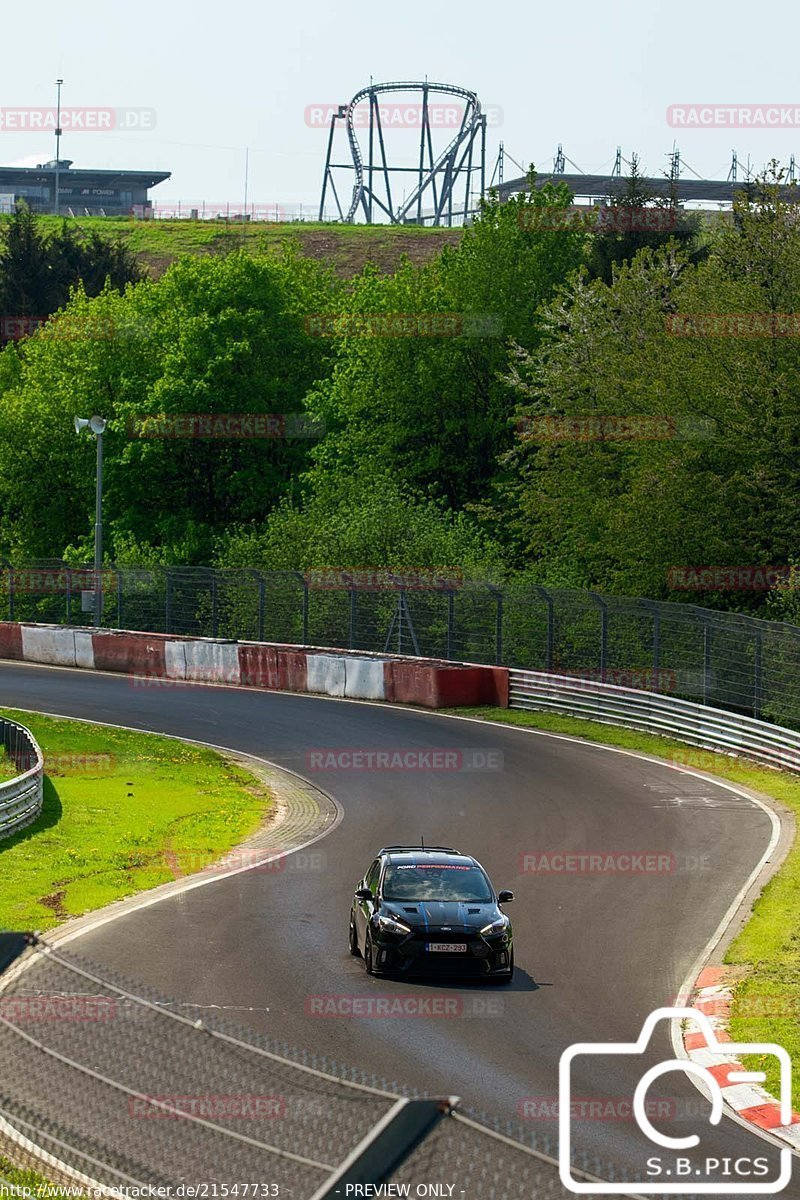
{"x":20,"y":797}
{"x":710,"y":728}
{"x":108,"y":1081}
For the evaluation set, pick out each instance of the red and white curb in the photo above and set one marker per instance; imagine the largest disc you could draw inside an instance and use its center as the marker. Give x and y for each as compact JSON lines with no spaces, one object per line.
{"x":713,"y":996}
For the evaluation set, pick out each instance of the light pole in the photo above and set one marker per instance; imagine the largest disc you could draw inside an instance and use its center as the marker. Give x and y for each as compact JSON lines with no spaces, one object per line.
{"x":97,"y":426}
{"x":59,"y":83}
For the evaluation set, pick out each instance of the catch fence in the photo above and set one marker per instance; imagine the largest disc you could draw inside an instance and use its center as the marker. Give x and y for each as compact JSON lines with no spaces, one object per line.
{"x":721,"y":659}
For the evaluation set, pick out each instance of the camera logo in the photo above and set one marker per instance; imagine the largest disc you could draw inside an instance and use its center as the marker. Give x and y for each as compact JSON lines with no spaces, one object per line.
{"x":673,"y":1171}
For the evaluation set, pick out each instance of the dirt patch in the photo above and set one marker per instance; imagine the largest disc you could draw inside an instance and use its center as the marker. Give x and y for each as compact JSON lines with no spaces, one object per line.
{"x":55,"y":902}
{"x":347,"y":249}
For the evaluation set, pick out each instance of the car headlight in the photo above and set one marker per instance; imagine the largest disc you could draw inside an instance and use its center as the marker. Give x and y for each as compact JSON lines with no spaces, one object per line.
{"x":498,"y":926}
{"x":392,"y":925}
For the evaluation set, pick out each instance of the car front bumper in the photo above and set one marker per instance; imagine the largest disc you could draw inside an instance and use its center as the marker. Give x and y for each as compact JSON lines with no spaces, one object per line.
{"x":483,"y":958}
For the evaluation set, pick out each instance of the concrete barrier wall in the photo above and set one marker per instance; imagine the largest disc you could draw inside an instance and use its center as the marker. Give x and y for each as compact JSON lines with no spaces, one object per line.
{"x":424,"y":682}
{"x":262,"y":667}
{"x":326,"y":674}
{"x":211,"y":662}
{"x":132,"y":654}
{"x":365,"y":678}
{"x":57,"y":647}
{"x":175,"y":660}
{"x":84,"y":649}
{"x":10,"y":640}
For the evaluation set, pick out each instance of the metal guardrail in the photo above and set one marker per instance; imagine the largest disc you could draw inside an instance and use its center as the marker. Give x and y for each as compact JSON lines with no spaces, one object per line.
{"x":20,"y":798}
{"x":710,"y":728}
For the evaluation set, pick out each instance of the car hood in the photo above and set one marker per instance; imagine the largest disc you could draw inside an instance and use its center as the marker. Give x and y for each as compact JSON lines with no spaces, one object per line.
{"x":434,"y":914}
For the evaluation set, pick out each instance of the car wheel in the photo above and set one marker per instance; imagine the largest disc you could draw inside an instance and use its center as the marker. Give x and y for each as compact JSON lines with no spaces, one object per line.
{"x":368,"y":967}
{"x":354,"y":950}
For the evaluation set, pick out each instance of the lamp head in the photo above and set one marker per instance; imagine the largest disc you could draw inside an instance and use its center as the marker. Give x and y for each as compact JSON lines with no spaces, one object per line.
{"x":96,"y":424}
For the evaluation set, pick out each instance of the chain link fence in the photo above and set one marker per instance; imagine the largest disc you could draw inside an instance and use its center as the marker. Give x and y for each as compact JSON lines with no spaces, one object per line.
{"x":725,"y":660}
{"x":115,"y":1084}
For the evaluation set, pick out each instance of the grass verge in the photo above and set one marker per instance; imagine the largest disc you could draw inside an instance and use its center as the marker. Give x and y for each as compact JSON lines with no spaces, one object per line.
{"x":767,"y":998}
{"x":123,"y":812}
{"x":23,"y":1178}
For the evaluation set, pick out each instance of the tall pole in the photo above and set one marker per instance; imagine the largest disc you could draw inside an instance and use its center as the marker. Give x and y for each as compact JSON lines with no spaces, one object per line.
{"x":59,"y":82}
{"x":98,"y":537}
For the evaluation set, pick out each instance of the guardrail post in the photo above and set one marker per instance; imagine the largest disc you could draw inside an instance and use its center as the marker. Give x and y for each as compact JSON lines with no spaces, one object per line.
{"x":757,"y":673}
{"x":451,"y":622}
{"x":69,"y":596}
{"x":603,"y":607}
{"x":119,"y":598}
{"x":548,"y":599}
{"x":10,"y":592}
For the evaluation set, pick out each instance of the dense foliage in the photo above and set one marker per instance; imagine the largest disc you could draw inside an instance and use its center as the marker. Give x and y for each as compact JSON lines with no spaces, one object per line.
{"x":536,"y":400}
{"x":37,"y":271}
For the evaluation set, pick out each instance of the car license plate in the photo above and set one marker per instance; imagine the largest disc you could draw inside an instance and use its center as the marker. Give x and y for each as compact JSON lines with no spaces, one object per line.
{"x":447,"y":947}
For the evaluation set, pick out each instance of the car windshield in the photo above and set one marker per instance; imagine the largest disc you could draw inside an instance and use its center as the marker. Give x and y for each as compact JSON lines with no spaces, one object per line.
{"x":436,"y":881}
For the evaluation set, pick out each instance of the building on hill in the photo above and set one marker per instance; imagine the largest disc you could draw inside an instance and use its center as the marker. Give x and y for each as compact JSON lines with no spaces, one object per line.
{"x":81,"y":193}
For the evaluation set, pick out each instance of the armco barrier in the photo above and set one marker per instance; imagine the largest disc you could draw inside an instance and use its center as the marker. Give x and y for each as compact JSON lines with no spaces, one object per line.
{"x":426,"y":682}
{"x":710,"y":728}
{"x":20,"y":798}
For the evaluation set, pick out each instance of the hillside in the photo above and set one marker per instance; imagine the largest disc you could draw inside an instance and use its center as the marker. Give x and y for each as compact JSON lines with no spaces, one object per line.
{"x":348,"y":247}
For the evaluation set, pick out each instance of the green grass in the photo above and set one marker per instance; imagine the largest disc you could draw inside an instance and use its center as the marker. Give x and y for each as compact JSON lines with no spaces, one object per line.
{"x":24,"y":1178}
{"x":767,"y":951}
{"x":8,"y":768}
{"x":347,"y":247}
{"x":123,"y":812}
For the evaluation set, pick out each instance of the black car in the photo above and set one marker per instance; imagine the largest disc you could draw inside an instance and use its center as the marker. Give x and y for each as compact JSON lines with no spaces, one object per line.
{"x":431,"y":910}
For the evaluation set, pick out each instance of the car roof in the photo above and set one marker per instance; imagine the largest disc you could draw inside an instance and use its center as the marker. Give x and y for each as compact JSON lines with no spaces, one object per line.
{"x":429,"y":854}
{"x":419,"y":849}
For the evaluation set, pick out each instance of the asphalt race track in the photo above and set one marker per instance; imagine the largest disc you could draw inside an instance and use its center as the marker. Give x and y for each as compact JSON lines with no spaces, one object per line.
{"x":595,"y":953}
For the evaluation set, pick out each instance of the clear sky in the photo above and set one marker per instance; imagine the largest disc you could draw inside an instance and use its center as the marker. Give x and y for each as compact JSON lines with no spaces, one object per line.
{"x":592,"y":74}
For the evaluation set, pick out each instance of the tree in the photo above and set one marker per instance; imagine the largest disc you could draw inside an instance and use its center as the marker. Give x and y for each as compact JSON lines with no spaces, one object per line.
{"x":705,"y":473}
{"x":214,"y":336}
{"x":27,"y":286}
{"x":39,"y":271}
{"x":416,"y":387}
{"x":636,"y":218}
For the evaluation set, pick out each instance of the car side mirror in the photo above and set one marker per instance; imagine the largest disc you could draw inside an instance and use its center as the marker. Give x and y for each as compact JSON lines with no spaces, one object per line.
{"x":364,"y":893}
{"x":505,"y":897}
